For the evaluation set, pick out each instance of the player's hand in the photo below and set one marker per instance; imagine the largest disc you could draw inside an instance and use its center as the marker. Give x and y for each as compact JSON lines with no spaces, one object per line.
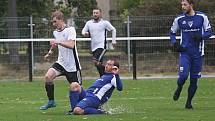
{"x":46,"y":57}
{"x":115,"y":69}
{"x":53,"y":43}
{"x":87,"y":34}
{"x":197,"y":38}
{"x":178,"y":48}
{"x":114,"y":44}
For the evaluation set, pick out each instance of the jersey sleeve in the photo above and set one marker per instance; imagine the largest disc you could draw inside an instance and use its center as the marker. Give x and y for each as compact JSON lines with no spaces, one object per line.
{"x":207,"y":28}
{"x":173,"y":31}
{"x":116,"y":82}
{"x":72,"y":34}
{"x":85,"y":29}
{"x":110,"y":27}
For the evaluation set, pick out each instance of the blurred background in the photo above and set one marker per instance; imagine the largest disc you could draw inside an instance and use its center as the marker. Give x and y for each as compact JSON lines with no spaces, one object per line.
{"x":27,"y":20}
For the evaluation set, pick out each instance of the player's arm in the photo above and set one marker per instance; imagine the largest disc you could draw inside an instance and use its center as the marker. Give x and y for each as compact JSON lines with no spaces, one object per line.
{"x":85,"y":31}
{"x":117,"y":81}
{"x":207,"y":29}
{"x":111,"y":28}
{"x":70,"y":43}
{"x":119,"y":85}
{"x":173,"y":31}
{"x":65,"y":43}
{"x":50,"y":51}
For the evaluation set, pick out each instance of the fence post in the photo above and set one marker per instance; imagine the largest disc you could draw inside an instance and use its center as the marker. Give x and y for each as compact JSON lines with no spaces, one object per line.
{"x":31,"y":51}
{"x":129,"y":43}
{"x":134,"y":59}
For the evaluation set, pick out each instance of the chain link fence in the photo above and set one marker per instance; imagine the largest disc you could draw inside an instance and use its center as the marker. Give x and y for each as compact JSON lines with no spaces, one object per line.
{"x":153,"y":57}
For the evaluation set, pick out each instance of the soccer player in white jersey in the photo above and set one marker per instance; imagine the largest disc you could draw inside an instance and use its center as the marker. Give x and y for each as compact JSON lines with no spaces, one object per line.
{"x":68,"y":61}
{"x":88,"y":101}
{"x":97,"y":29}
{"x":195,"y":28}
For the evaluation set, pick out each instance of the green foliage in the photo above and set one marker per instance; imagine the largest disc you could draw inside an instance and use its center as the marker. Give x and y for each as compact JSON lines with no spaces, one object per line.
{"x":36,"y":8}
{"x":160,"y":7}
{"x":84,"y":7}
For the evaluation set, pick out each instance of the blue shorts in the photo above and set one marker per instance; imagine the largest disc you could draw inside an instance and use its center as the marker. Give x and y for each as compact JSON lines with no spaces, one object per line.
{"x":190,"y":64}
{"x":92,"y":102}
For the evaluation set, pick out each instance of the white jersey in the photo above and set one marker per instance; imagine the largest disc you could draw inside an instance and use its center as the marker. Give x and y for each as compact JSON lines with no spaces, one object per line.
{"x":68,"y":58}
{"x":98,"y":33}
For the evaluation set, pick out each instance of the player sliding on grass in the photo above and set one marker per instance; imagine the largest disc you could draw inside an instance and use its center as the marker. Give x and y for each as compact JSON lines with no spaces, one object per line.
{"x":194,"y":28}
{"x":89,"y":101}
{"x":67,"y":63}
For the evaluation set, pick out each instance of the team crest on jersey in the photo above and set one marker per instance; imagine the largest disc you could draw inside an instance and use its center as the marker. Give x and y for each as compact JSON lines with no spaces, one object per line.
{"x":184,"y":22}
{"x":190,"y":23}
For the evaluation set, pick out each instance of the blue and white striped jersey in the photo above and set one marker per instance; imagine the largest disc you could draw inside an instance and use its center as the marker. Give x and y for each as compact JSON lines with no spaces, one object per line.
{"x":104,"y":86}
{"x":191,"y":26}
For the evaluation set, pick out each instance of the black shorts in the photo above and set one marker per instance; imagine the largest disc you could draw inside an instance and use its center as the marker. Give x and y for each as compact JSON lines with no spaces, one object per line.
{"x":98,"y":54}
{"x":70,"y":76}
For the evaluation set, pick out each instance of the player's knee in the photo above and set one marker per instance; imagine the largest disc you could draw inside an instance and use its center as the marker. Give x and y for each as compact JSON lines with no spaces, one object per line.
{"x":48,"y":77}
{"x":78,"y":111}
{"x":183,"y":77}
{"x":75,"y":86}
{"x":193,"y":82}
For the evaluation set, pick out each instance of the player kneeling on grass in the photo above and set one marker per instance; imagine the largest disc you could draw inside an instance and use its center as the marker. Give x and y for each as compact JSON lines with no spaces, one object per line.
{"x":89,"y":101}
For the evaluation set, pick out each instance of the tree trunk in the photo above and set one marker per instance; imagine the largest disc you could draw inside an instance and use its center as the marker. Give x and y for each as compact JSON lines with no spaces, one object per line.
{"x":12,"y":32}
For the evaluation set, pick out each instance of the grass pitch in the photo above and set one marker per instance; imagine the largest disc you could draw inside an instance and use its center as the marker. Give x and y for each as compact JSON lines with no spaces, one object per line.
{"x":141,"y":100}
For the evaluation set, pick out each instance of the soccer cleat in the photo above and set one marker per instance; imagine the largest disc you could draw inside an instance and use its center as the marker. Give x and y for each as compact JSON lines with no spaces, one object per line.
{"x":188,"y":106}
{"x":176,"y":94}
{"x":50,"y":104}
{"x":70,"y":112}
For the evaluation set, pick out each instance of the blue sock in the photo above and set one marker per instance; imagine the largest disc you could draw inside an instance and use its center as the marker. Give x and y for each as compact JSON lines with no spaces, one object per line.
{"x":89,"y":110}
{"x":74,"y":98}
{"x":82,"y":95}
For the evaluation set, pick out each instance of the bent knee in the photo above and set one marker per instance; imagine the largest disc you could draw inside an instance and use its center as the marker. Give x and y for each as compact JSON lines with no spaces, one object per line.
{"x":75,"y":86}
{"x":78,"y":111}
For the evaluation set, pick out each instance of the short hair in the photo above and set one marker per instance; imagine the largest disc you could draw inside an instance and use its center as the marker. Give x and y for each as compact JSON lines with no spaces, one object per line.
{"x":58,"y":14}
{"x":189,"y":1}
{"x":97,"y":9}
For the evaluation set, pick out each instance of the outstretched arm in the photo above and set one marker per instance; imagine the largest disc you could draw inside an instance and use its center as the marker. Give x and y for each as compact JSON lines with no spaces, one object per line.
{"x":119,"y":85}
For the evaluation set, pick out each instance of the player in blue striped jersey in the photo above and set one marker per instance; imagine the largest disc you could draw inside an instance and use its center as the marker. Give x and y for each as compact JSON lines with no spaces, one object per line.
{"x":88,"y":101}
{"x":195,"y":28}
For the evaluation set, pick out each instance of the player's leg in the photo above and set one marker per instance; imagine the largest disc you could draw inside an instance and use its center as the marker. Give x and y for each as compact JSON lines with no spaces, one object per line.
{"x":184,"y":67}
{"x":76,"y":92}
{"x":195,"y":73}
{"x":98,"y":55}
{"x":88,"y":106}
{"x":51,"y":74}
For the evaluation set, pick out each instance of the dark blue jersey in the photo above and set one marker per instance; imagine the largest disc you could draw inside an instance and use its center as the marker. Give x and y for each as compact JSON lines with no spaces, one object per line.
{"x":103,"y":87}
{"x":190,"y":26}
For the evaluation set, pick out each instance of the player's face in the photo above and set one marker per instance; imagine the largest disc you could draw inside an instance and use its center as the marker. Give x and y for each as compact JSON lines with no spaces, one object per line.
{"x":109,"y":66}
{"x":57,"y":23}
{"x":96,"y":14}
{"x":186,"y":7}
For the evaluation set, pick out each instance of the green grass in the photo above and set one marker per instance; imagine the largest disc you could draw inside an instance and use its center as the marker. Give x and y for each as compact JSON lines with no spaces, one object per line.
{"x":145,"y":100}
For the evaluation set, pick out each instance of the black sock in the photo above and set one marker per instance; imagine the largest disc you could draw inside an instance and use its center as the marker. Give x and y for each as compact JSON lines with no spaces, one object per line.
{"x":101,"y":69}
{"x":191,"y":90}
{"x":50,"y":90}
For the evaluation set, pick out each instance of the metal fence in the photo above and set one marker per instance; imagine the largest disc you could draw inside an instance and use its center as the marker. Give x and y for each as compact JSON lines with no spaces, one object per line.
{"x":153,"y":57}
